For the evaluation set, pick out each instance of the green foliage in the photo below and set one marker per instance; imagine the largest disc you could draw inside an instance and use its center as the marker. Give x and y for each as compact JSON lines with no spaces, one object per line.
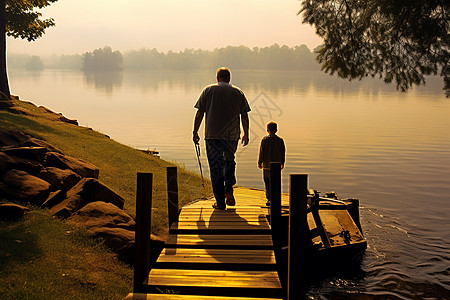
{"x":35,"y":64}
{"x":273,"y":57}
{"x":22,"y":21}
{"x":102,"y":59}
{"x":400,"y":41}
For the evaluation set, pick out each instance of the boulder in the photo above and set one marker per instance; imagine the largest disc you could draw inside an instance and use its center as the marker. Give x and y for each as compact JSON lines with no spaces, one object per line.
{"x":12,"y":212}
{"x":12,"y":137}
{"x":121,"y":241}
{"x":29,"y":152}
{"x":60,"y":179}
{"x":85,"y":191}
{"x":54,"y":198}
{"x":25,"y":164}
{"x":102,"y":214}
{"x":33,"y":142}
{"x":20,"y":185}
{"x":82,"y":168}
{"x":6,"y":163}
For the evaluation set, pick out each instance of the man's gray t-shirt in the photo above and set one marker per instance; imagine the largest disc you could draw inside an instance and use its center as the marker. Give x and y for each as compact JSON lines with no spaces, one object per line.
{"x":223,"y":103}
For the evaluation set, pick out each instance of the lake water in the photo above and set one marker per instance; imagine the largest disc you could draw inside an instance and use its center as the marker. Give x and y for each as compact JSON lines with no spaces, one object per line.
{"x":362,"y":139}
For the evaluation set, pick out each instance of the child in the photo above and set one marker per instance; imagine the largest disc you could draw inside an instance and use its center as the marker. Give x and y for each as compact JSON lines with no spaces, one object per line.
{"x":271,"y":150}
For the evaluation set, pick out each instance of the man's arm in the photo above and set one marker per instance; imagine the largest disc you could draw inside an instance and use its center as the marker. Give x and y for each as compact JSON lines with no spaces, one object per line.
{"x":245,"y":126}
{"x":197,"y":121}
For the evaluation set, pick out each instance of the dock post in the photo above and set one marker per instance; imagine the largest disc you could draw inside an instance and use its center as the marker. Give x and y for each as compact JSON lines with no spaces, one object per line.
{"x":275,"y":195}
{"x":353,"y":210}
{"x":298,"y":225}
{"x":172,"y":194}
{"x":143,"y":228}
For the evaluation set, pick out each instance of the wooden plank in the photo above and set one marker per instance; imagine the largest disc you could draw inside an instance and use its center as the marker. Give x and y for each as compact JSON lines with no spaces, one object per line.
{"x":222,"y":218}
{"x":216,"y":282}
{"x":219,"y":241}
{"x":337,"y":221}
{"x":222,"y":227}
{"x":217,"y":259}
{"x":137,"y":296}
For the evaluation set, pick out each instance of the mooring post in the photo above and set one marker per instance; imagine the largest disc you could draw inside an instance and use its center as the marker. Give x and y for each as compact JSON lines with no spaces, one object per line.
{"x":275,"y":195}
{"x":143,"y":228}
{"x":354,"y":212}
{"x":298,"y":236}
{"x":275,"y":213}
{"x":172,"y":194}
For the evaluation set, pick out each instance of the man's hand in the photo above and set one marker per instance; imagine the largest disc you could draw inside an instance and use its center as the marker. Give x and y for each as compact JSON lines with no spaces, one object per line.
{"x":259,"y":165}
{"x":245,"y":140}
{"x":195,"y":137}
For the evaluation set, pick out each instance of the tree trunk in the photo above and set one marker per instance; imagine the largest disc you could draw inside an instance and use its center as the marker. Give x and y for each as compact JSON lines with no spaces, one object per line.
{"x":4,"y":86}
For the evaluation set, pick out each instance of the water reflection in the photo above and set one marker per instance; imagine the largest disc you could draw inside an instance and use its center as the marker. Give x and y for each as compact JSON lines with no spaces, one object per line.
{"x":103,"y":80}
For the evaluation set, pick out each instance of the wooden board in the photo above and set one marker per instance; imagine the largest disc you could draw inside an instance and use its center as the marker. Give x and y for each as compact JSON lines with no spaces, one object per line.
{"x":216,"y":259}
{"x":241,"y":227}
{"x":138,"y":296}
{"x":220,"y":241}
{"x":216,"y":282}
{"x":336,"y":221}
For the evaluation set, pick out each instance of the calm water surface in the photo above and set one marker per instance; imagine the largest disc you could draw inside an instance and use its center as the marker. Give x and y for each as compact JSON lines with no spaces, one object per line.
{"x":361,"y":139}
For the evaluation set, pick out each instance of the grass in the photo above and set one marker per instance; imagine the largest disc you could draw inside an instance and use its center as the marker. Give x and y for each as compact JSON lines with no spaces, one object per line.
{"x":44,"y":258}
{"x":118,"y":163}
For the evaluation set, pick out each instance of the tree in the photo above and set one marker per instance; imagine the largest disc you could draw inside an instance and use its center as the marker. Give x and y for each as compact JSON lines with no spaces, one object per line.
{"x":19,"y":19}
{"x":35,"y":63}
{"x":397,"y":40}
{"x":102,"y":59}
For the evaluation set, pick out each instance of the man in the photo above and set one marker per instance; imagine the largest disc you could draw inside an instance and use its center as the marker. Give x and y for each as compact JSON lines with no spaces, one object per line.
{"x":224,"y":106}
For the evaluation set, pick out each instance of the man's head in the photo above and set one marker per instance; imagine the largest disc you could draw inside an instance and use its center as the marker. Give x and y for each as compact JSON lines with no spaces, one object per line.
{"x":223,"y":75}
{"x":272,"y":127}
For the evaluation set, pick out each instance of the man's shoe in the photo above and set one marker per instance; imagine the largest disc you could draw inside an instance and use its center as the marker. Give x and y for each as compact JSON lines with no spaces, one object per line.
{"x":230,"y":198}
{"x":215,"y":206}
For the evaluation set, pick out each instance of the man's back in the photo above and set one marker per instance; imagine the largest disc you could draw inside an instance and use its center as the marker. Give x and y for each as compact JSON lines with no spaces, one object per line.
{"x":223,"y":103}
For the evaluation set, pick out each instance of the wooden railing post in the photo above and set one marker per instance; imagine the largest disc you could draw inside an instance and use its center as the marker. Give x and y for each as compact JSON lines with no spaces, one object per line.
{"x":143,"y":228}
{"x":275,"y":195}
{"x":298,"y":236}
{"x":172,"y":194}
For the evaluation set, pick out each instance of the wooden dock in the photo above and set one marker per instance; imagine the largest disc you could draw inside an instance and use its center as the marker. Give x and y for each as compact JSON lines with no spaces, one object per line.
{"x":217,"y":254}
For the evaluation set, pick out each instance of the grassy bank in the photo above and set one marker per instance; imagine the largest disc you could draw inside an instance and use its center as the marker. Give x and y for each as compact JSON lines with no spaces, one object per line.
{"x":44,"y":258}
{"x":118,"y":163}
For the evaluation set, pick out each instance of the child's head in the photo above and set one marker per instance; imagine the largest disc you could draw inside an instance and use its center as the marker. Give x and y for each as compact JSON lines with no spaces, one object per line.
{"x":272,"y":127}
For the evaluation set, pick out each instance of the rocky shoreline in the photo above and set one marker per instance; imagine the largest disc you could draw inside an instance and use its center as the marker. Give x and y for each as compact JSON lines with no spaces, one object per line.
{"x":35,"y":172}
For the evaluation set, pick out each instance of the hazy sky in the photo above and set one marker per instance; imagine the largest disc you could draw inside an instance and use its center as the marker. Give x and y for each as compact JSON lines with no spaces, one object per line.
{"x":84,"y":25}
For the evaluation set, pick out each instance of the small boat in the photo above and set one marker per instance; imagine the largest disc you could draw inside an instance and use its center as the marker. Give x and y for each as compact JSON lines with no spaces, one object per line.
{"x":335,"y":233}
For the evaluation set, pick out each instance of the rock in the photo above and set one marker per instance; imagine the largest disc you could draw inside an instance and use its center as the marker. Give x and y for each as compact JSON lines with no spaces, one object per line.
{"x":11,"y":162}
{"x":33,"y":142}
{"x":12,"y":212}
{"x":102,"y":214}
{"x":85,"y":191}
{"x":54,"y":198}
{"x":82,"y":168}
{"x":22,"y":186}
{"x":6,"y":104}
{"x":12,"y":137}
{"x":120,"y":240}
{"x":6,"y":163}
{"x":60,"y":179}
{"x":31,"y":153}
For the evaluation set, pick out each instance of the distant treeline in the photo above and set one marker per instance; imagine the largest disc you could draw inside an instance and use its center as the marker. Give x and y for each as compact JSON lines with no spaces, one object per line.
{"x":274,"y":57}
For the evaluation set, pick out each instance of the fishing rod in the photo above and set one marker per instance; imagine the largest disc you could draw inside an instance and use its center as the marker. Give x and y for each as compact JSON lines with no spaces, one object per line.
{"x":197,"y":149}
